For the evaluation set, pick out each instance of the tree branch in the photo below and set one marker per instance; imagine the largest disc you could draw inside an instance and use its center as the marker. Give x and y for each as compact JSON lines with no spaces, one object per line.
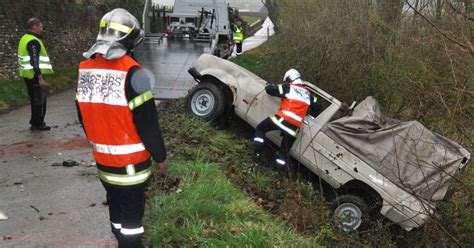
{"x":458,"y":11}
{"x":471,"y":49}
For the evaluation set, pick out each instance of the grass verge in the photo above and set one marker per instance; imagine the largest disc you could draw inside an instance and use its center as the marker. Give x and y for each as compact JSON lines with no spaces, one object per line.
{"x":13,"y":92}
{"x":250,"y":19}
{"x":207,"y":210}
{"x":199,"y":202}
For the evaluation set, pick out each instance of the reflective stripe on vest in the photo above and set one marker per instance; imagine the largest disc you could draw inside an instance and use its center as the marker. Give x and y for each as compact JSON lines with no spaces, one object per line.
{"x":292,"y":115}
{"x":30,"y":67}
{"x":141,"y":99}
{"x":278,"y":122}
{"x":24,"y":59}
{"x":28,"y":58}
{"x":118,"y":150}
{"x":125,"y":180}
{"x":280,"y":88}
{"x":106,"y":113}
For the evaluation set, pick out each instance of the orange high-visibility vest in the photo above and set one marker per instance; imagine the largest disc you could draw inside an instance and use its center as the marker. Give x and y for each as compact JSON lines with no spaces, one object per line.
{"x":107,"y":118}
{"x":294,"y":106}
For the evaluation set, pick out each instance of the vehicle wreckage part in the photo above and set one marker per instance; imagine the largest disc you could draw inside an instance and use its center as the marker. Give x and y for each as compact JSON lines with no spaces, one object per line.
{"x":3,"y":216}
{"x":206,"y":101}
{"x":350,"y":212}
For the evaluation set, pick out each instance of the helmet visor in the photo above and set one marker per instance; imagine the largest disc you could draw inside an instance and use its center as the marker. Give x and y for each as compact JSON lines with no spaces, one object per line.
{"x":116,"y":26}
{"x":113,"y":31}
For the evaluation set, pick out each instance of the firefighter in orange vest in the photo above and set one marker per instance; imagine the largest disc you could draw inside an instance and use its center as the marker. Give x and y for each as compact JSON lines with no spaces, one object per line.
{"x":117,"y":110}
{"x":295,"y":103}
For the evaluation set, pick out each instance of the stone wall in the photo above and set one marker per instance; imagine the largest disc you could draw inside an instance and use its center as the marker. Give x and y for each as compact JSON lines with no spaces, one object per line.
{"x":69,"y":30}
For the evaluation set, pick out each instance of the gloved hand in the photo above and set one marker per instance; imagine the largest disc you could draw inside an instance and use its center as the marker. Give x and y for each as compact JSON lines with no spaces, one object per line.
{"x":161,"y":167}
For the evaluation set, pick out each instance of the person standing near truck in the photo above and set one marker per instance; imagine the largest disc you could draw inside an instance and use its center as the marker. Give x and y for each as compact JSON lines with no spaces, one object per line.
{"x":116,"y":107}
{"x":295,"y":103}
{"x":34,"y":63}
{"x":238,"y":37}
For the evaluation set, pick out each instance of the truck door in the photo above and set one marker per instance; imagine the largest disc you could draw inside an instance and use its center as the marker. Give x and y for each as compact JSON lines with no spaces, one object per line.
{"x":312,"y":124}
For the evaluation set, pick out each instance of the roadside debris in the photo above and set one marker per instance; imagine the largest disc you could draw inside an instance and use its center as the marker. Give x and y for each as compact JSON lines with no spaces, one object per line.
{"x":3,"y":216}
{"x":65,"y":163}
{"x":36,"y":209}
{"x":70,"y":163}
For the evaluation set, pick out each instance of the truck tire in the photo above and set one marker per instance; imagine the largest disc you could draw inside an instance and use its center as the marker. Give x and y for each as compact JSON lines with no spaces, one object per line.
{"x":206,"y":101}
{"x":350,"y":212}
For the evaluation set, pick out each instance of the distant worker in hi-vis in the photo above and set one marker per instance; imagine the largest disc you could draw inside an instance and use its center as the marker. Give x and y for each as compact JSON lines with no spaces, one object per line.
{"x":34,"y":63}
{"x":238,"y":37}
{"x":296,"y":100}
{"x":117,"y":110}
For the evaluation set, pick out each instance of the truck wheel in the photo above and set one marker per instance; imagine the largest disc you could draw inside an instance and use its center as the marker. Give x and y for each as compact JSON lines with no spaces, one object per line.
{"x":206,"y":101}
{"x":350,"y":212}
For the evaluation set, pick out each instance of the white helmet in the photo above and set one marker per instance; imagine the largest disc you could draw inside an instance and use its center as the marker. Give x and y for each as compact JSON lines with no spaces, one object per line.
{"x":119,"y":31}
{"x":291,"y":75}
{"x":119,"y":26}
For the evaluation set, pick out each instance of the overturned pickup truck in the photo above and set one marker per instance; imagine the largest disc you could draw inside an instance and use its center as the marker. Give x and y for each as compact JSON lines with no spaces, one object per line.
{"x":399,"y":169}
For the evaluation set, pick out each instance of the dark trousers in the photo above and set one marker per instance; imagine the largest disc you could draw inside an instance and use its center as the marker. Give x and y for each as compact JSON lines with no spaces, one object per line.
{"x":126,"y":208}
{"x":268,"y":125}
{"x":38,"y":101}
{"x":239,"y":48}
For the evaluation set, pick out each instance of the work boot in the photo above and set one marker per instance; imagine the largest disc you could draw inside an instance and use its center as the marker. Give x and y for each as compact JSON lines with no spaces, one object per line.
{"x":40,"y":128}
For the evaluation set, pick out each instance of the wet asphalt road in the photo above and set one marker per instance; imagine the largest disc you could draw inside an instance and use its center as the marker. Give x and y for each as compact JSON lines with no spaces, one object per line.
{"x":169,"y":60}
{"x":57,"y":206}
{"x":50,"y":206}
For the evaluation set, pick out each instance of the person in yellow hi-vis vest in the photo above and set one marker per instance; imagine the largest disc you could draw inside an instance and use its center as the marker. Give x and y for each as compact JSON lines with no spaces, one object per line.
{"x":34,"y":62}
{"x":238,"y":37}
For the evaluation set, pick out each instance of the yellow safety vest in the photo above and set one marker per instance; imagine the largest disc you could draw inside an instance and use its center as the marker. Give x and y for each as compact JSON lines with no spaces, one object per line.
{"x":24,"y":60}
